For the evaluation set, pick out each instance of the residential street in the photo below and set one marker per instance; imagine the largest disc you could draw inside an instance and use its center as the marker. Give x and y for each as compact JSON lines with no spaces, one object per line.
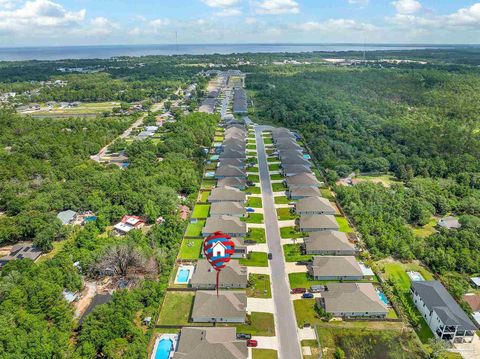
{"x":285,"y":322}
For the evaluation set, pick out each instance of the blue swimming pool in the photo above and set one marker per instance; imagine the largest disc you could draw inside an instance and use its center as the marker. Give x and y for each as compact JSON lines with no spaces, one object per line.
{"x":307,"y":157}
{"x":164,"y":348}
{"x":183,"y":275}
{"x":382,"y":297}
{"x":214,"y":157}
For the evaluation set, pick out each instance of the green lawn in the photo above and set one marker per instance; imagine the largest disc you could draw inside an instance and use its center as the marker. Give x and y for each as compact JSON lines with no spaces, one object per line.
{"x":253,"y":190}
{"x":279,"y":187}
{"x":305,"y":312}
{"x":268,"y":141}
{"x":426,"y":230}
{"x":201,"y":211}
{"x":195,"y":229}
{"x":251,"y":153}
{"x":254,"y":202}
{"x":190,"y":248}
{"x":282,"y":200}
{"x":208,"y":183}
{"x":302,"y":280}
{"x":276,"y":177}
{"x":325,"y":192}
{"x":343,"y":223}
{"x":285,"y":214}
{"x":255,"y":259}
{"x":293,"y":253}
{"x":290,"y":232}
{"x":203,"y":196}
{"x":252,"y":169}
{"x":253,"y":178}
{"x":256,"y":234}
{"x":258,"y":324}
{"x":253,"y":218}
{"x":252,"y":160}
{"x":218,"y":138}
{"x":272,"y":159}
{"x":264,"y":354}
{"x":259,"y":286}
{"x":274,"y":167}
{"x":176,"y":308}
{"x":251,"y":147}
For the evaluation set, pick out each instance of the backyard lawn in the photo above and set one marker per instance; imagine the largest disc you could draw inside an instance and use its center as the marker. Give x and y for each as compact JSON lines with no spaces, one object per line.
{"x":254,"y":202}
{"x":253,"y":190}
{"x":176,"y":308}
{"x":290,"y":232}
{"x":264,"y":354}
{"x":255,"y":259}
{"x":190,"y":248}
{"x":279,"y":187}
{"x":343,"y":223}
{"x":253,"y":218}
{"x":256,"y":234}
{"x":208,"y":183}
{"x":282,"y":200}
{"x":261,"y":324}
{"x":302,"y":280}
{"x":325,"y":192}
{"x":203,"y":196}
{"x":274,"y":167}
{"x":259,"y":286}
{"x":294,"y":254}
{"x":285,"y":214}
{"x":195,"y":229}
{"x":201,"y":211}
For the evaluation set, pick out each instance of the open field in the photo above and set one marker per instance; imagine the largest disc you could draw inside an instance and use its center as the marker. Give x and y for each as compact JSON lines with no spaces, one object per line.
{"x":87,"y":109}
{"x":176,"y":308}
{"x":387,"y":180}
{"x":426,"y":230}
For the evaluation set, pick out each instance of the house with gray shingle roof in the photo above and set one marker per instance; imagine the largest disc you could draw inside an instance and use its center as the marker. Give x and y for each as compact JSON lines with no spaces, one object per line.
{"x":329,"y":243}
{"x":21,"y":251}
{"x":228,"y":153}
{"x":335,"y":268}
{"x":292,"y":170}
{"x":230,"y":171}
{"x":230,"y":225}
{"x":317,"y":223}
{"x":295,"y":160}
{"x":314,"y":205}
{"x":238,"y":162}
{"x":352,"y":300}
{"x":235,"y":209}
{"x":233,"y":276}
{"x":228,"y":307}
{"x":235,"y":182}
{"x":226,"y":194}
{"x":299,"y":193}
{"x":302,"y":180}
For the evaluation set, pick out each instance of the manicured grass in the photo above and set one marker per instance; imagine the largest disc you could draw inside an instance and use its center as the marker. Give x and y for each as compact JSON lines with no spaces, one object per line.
{"x":258,"y":324}
{"x":276,"y":177}
{"x":252,"y":153}
{"x":284,"y":214}
{"x":218,"y":138}
{"x":254,"y":202}
{"x":208,"y":183}
{"x":325,"y":192}
{"x":290,"y":232}
{"x":267,"y":141}
{"x":259,"y":286}
{"x":343,"y":223}
{"x":195,"y":229}
{"x":253,"y":178}
{"x":272,"y":159}
{"x":201,"y":211}
{"x":257,"y":234}
{"x":252,"y":169}
{"x":305,"y":312}
{"x":293,"y":253}
{"x":274,"y":167}
{"x":190,"y":248}
{"x":251,"y":141}
{"x":252,"y":160}
{"x":251,"y":147}
{"x":278,"y":187}
{"x":176,"y":308}
{"x":282,"y":200}
{"x":255,"y":259}
{"x":264,"y":354}
{"x":302,"y":280}
{"x":253,"y":218}
{"x":253,"y":190}
{"x":203,"y":196}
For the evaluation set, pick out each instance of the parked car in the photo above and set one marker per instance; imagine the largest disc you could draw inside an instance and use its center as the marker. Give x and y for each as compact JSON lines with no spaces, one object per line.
{"x":298,"y":291}
{"x":317,"y":289}
{"x":244,"y":336}
{"x":250,"y":210}
{"x":270,"y":256}
{"x":307,"y":295}
{"x":252,"y":343}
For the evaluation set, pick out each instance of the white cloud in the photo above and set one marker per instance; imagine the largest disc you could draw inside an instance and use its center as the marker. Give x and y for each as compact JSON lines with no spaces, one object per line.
{"x":469,"y":17}
{"x":233,"y":11}
{"x":333,"y":25}
{"x":407,"y":6}
{"x":250,"y":20}
{"x":99,"y":26}
{"x":8,"y":4}
{"x":220,"y":3}
{"x":277,"y":7}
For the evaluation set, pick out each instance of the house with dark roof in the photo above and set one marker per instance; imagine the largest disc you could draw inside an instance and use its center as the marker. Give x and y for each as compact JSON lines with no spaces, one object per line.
{"x":295,"y":160}
{"x":292,"y":170}
{"x":235,"y":182}
{"x":235,"y":209}
{"x":226,"y":194}
{"x":21,"y":251}
{"x":230,"y":225}
{"x":233,"y":276}
{"x":228,"y":153}
{"x":230,"y":171}
{"x":329,"y":243}
{"x":335,"y":268}
{"x":317,"y":223}
{"x":302,"y":180}
{"x":442,"y":313}
{"x":229,"y":307}
{"x":209,"y":343}
{"x":299,"y":193}
{"x":314,"y":205}
{"x":237,"y":162}
{"x":288,"y":145}
{"x":352,"y":300}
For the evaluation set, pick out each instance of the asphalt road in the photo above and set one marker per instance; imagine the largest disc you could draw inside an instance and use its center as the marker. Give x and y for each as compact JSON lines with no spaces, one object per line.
{"x":285,"y":322}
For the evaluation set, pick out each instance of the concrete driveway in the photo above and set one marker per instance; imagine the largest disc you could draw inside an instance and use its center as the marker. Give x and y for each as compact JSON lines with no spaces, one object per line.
{"x":307,"y":334}
{"x":259,"y":270}
{"x":289,"y":223}
{"x":260,"y":305}
{"x":261,"y":247}
{"x":266,"y":342}
{"x":292,"y":267}
{"x":255,"y":225}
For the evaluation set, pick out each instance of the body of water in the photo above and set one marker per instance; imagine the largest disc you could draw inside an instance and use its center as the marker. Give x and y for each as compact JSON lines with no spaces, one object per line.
{"x":105,"y":52}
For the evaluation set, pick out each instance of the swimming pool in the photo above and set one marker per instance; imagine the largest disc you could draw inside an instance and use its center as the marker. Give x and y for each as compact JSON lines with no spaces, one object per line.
{"x":214,"y":157}
{"x":210,"y":174}
{"x":307,"y":157}
{"x":164,"y":348}
{"x":183,"y":275}
{"x":415,"y":276}
{"x":382,"y":297}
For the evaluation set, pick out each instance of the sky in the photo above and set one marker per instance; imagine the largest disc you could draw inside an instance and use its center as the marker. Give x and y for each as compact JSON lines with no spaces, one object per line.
{"x":104,"y":22}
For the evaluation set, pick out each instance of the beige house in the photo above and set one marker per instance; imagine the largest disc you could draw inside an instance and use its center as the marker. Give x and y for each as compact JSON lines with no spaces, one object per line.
{"x":335,"y":268}
{"x":233,"y":276}
{"x":232,"y":226}
{"x":329,"y":243}
{"x":317,"y":223}
{"x":228,"y":307}
{"x":314,"y":205}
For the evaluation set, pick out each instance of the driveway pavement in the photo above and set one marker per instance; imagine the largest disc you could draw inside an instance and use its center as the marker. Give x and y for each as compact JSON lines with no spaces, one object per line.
{"x":261,"y":247}
{"x":259,"y":270}
{"x":285,"y":322}
{"x":292,"y":267}
{"x":289,"y":223}
{"x":307,"y":334}
{"x":266,"y":342}
{"x":260,"y":305}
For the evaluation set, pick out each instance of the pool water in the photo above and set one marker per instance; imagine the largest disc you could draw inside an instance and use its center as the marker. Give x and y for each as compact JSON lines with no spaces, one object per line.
{"x":307,"y":157}
{"x":209,"y":174}
{"x":183,"y":275}
{"x":382,"y":297}
{"x":164,"y":348}
{"x":214,"y":157}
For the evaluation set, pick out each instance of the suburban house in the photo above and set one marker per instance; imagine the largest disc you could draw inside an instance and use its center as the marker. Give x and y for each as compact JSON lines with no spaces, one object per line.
{"x":299,"y":193}
{"x":329,"y":243}
{"x":228,"y":307}
{"x":442,"y":313}
{"x":302,"y":180}
{"x":233,"y":276}
{"x":317,"y":222}
{"x":286,"y":141}
{"x":240,"y":250}
{"x":226,"y":194}
{"x":289,"y":151}
{"x":67,"y":217}
{"x":335,"y":268}
{"x":230,"y":171}
{"x":352,"y":300}
{"x":232,"y":226}
{"x":207,"y":343}
{"x":228,"y":153}
{"x":128,"y":223}
{"x":290,"y":145}
{"x":236,"y":182}
{"x":234,"y":209}
{"x":234,"y":146}
{"x":292,"y":170}
{"x":314,"y":205}
{"x":295,"y":160}
{"x":21,"y":251}
{"x":238,"y":162}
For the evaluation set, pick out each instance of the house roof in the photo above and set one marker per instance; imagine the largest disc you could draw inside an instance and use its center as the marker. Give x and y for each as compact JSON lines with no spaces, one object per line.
{"x":210,"y":343}
{"x":328,"y":241}
{"x":304,"y":191}
{"x":295,"y":160}
{"x":228,"y":153}
{"x":66,"y":216}
{"x":228,"y":304}
{"x":230,"y":171}
{"x":318,"y":221}
{"x":225,"y":224}
{"x":310,"y":204}
{"x":473,"y":300}
{"x":287,"y":144}
{"x":233,"y":273}
{"x":231,"y":161}
{"x":341,"y":266}
{"x":437,"y":298}
{"x":290,"y":151}
{"x":228,"y":208}
{"x":235,"y":147}
{"x":353,"y":297}
{"x":302,"y":179}
{"x":226,"y":194}
{"x":233,"y":141}
{"x":295,"y":169}
{"x":21,"y":251}
{"x":232,"y":182}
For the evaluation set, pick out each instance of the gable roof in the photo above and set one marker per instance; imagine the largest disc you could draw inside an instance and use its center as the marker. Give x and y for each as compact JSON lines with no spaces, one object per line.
{"x":436,"y":297}
{"x":230,"y":171}
{"x":295,"y":160}
{"x":21,"y":251}
{"x":210,"y":343}
{"x":335,"y":266}
{"x":284,"y":145}
{"x":232,"y":182}
{"x":228,"y":304}
{"x":318,"y":204}
{"x":228,"y":153}
{"x":226,"y":194}
{"x":233,"y":273}
{"x":228,"y":208}
{"x":304,"y":191}
{"x":231,"y":161}
{"x":328,"y":241}
{"x":295,"y":169}
{"x":302,"y":179}
{"x":225,"y":224}
{"x":318,"y":221}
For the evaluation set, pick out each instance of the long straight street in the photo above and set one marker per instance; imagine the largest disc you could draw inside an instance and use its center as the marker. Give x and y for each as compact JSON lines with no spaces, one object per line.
{"x":285,"y":322}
